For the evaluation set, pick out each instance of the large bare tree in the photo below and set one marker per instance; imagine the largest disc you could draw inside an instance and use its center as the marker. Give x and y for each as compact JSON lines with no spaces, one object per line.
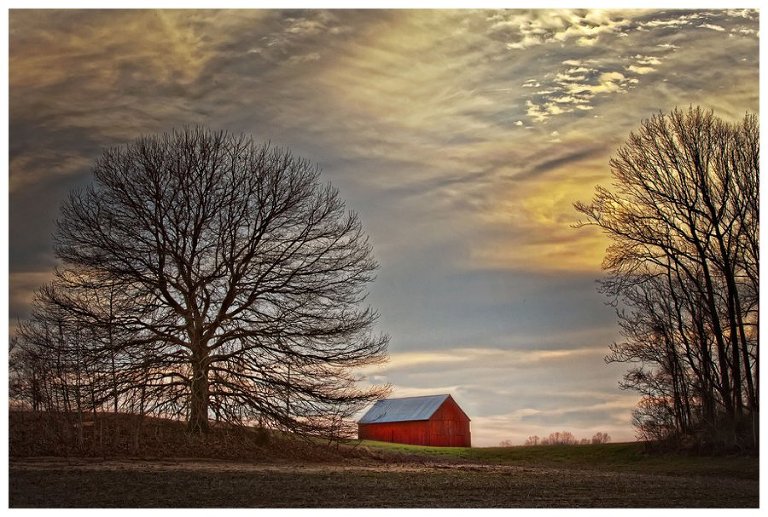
{"x":682,"y":215}
{"x":221,"y":279}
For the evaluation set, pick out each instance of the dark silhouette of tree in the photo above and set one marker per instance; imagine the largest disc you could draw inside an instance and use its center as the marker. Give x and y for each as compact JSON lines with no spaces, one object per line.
{"x":683,"y":272}
{"x":205,"y":276}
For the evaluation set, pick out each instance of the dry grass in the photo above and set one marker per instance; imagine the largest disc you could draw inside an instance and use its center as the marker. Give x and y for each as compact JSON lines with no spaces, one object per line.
{"x":109,"y":435}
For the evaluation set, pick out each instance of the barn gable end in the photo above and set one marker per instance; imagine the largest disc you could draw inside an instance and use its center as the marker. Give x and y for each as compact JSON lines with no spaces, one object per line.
{"x":435,"y":420}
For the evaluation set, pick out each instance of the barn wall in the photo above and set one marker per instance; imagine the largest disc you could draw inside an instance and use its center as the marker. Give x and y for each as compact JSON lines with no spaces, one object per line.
{"x":413,"y":433}
{"x":448,"y":427}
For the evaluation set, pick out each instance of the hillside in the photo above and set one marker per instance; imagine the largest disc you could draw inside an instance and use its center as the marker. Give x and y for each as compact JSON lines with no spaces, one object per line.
{"x":120,"y":435}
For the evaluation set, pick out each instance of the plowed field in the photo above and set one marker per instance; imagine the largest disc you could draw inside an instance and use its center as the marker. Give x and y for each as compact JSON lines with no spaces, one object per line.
{"x":57,"y":482}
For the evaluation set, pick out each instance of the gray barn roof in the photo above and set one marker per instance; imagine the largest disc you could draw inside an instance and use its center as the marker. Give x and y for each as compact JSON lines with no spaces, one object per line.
{"x":403,"y":410}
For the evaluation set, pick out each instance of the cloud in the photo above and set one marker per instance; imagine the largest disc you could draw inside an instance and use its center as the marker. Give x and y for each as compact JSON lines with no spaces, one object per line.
{"x":644,"y":64}
{"x":22,"y":288}
{"x":385,"y":72}
{"x":712,"y":27}
{"x":508,"y":359}
{"x":744,"y":31}
{"x":31,"y":168}
{"x":523,"y":30}
{"x":568,"y":158}
{"x":415,"y":115}
{"x":167,"y":54}
{"x":585,"y":83}
{"x":575,"y":89}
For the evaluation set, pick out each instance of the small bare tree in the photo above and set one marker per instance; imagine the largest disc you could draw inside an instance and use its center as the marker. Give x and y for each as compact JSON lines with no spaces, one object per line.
{"x":560,"y":438}
{"x":533,"y":440}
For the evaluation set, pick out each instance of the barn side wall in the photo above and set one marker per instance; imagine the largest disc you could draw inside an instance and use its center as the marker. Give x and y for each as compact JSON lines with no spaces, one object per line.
{"x":413,"y":433}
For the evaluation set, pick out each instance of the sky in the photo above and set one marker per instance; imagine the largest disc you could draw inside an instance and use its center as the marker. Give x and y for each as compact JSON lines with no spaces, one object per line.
{"x":461,"y":137}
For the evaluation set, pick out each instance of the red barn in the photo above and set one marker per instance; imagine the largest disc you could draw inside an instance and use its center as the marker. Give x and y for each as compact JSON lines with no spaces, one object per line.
{"x":435,"y":420}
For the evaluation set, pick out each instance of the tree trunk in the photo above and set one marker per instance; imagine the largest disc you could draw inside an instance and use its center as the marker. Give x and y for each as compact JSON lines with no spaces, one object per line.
{"x":198,"y":403}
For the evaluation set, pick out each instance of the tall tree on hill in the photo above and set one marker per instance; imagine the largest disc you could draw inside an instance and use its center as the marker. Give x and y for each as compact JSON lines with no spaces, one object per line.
{"x":234,"y":279}
{"x":683,"y":266}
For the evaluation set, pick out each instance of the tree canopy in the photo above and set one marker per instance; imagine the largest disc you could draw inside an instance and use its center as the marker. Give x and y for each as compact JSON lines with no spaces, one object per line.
{"x":206,"y":276}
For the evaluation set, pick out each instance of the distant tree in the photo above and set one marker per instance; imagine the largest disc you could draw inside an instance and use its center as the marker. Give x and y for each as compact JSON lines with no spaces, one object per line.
{"x":27,"y":377}
{"x":506,"y":443}
{"x":568,"y":439}
{"x":683,"y":272}
{"x":74,"y":337}
{"x":533,"y":440}
{"x":207,"y":276}
{"x":565,"y":438}
{"x":560,"y":438}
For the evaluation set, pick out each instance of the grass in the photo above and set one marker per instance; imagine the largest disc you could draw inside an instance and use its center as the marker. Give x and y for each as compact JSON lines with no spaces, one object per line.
{"x":620,"y":457}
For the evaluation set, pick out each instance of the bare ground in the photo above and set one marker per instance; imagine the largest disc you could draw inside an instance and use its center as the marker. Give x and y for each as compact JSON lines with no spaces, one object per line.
{"x":182,"y":483}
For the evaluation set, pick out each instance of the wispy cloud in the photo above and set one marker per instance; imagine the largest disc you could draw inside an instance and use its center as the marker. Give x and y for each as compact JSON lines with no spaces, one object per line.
{"x":712,"y":27}
{"x":508,"y":359}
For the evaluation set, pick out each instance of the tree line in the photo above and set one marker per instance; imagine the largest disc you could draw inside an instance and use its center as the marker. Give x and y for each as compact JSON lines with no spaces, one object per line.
{"x":560,"y":438}
{"x":682,"y":271}
{"x":207,"y":278}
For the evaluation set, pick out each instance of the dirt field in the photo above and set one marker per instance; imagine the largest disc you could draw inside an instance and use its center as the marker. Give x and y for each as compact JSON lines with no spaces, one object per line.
{"x":58,"y":482}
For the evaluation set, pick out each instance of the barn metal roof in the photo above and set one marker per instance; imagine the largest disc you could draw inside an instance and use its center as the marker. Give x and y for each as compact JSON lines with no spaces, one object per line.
{"x":403,"y":410}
